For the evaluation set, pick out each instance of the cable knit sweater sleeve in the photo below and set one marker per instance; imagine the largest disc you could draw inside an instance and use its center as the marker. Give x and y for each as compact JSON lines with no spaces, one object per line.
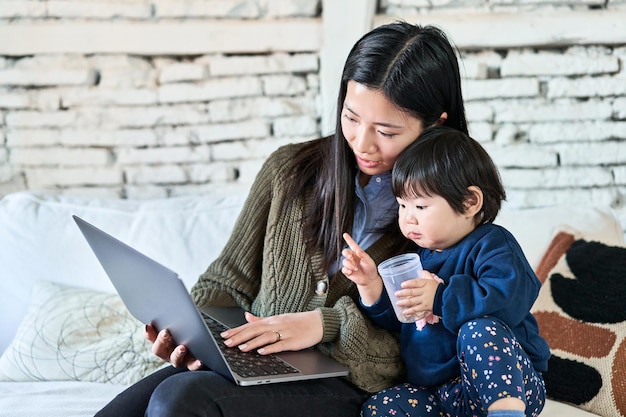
{"x":265,"y":269}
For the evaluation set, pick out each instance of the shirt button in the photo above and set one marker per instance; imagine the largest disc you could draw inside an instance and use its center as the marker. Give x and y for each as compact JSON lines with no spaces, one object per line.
{"x":321,"y":287}
{"x":378,"y":179}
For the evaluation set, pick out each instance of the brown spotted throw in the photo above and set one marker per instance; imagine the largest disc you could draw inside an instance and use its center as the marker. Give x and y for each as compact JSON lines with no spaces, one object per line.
{"x":581,"y":311}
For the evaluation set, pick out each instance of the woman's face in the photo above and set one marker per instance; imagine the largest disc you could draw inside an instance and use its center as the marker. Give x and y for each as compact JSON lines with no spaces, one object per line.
{"x":375,"y":129}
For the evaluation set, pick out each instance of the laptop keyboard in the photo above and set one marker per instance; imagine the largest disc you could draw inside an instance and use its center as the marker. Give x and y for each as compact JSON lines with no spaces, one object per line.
{"x":248,"y":364}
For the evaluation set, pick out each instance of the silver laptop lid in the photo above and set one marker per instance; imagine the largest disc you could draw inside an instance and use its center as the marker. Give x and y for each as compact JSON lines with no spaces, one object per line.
{"x":155,"y":294}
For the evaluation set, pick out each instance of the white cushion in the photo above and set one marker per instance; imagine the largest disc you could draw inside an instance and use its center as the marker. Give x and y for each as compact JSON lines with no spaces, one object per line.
{"x":534,"y":228}
{"x":39,"y":240}
{"x":77,"y":334}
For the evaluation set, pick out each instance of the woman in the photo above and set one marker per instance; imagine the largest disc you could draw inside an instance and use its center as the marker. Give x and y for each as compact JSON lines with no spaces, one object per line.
{"x":282,"y":262}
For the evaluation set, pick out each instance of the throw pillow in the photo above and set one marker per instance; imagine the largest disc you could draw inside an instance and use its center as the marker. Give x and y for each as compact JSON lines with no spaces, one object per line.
{"x":77,"y":334}
{"x":581,"y":311}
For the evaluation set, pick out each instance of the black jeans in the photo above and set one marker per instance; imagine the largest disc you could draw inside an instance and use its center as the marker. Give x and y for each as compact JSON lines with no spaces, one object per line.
{"x":177,"y":392}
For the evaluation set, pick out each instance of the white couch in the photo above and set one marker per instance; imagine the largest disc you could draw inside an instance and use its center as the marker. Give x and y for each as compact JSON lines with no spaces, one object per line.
{"x":60,"y":366}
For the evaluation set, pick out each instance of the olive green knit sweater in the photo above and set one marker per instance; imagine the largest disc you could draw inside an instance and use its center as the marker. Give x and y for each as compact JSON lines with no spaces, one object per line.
{"x":264,"y":268}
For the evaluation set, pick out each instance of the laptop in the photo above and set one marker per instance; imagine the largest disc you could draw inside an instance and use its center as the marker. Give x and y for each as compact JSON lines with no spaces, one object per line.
{"x":155,"y":294}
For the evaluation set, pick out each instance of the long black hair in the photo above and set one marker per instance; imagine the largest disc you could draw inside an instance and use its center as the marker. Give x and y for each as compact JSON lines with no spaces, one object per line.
{"x":416,"y":69}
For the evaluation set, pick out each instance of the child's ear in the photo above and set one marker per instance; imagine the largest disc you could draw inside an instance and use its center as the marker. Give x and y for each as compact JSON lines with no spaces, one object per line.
{"x":474,"y":202}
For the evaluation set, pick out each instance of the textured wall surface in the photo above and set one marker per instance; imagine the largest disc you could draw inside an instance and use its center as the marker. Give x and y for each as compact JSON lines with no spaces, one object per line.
{"x":157,"y":98}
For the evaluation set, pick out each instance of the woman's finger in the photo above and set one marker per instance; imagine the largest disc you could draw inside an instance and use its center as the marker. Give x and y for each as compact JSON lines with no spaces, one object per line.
{"x":180,"y":357}
{"x":163,"y":345}
{"x":177,"y":358}
{"x":195,"y":365}
{"x":150,"y":333}
{"x":251,"y":317}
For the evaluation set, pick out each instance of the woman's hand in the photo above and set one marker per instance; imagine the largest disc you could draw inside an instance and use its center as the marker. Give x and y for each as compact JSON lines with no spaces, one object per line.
{"x":417,"y":296}
{"x":163,"y":346}
{"x":361,"y":269}
{"x":291,"y":331}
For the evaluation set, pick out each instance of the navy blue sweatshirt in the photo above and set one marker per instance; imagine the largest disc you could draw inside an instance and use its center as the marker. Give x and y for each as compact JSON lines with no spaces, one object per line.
{"x":485,"y":274}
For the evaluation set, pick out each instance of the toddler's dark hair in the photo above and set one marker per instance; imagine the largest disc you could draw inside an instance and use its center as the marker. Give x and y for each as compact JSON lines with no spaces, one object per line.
{"x":444,"y":161}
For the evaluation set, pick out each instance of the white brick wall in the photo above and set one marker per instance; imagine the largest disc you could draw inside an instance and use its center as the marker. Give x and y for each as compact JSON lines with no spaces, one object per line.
{"x":548,"y":103}
{"x":158,"y":98}
{"x":549,"y":63}
{"x":52,"y":77}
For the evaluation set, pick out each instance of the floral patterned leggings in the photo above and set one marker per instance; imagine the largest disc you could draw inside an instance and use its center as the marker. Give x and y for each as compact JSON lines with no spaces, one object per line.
{"x":493,"y":365}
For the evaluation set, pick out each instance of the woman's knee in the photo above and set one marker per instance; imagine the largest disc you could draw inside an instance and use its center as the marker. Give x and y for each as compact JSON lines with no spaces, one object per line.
{"x":165,"y":397}
{"x":178,"y":396}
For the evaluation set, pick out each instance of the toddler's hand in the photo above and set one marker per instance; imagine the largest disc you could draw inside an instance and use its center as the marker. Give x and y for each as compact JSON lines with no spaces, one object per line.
{"x":430,"y":318}
{"x":361,"y":269}
{"x":358,"y":266}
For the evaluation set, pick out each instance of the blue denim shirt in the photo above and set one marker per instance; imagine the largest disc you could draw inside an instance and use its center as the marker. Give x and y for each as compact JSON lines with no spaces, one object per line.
{"x":376,"y":207}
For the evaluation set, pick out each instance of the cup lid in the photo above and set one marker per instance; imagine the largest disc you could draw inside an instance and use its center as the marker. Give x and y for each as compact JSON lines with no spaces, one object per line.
{"x":402,"y":262}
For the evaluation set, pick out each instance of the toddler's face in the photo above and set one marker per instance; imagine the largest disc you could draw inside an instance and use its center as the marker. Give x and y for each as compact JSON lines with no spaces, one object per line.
{"x":431,"y":222}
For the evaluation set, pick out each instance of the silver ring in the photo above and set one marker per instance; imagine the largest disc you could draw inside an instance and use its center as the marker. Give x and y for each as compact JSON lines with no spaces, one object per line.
{"x":278,"y":335}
